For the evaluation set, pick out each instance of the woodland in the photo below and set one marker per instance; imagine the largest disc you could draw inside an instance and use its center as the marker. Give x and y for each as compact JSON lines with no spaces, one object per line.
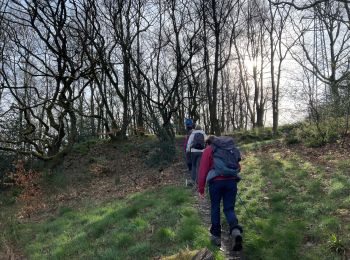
{"x":72,"y":70}
{"x":94,"y":95}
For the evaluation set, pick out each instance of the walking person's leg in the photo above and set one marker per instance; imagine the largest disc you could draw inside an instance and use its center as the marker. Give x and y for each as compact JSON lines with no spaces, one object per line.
{"x":215,"y":193}
{"x":229,"y":199}
{"x":188,"y":161}
{"x":197,"y":165}
{"x":194,"y":157}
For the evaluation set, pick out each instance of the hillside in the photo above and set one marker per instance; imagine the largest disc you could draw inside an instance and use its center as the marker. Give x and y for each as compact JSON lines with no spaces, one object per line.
{"x":105,"y":201}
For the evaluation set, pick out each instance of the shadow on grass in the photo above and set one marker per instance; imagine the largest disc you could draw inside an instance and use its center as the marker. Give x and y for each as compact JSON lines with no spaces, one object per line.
{"x":146,"y":225}
{"x":291,"y":208}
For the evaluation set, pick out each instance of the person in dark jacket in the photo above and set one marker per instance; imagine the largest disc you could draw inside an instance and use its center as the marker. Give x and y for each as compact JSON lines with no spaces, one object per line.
{"x":219,"y":168}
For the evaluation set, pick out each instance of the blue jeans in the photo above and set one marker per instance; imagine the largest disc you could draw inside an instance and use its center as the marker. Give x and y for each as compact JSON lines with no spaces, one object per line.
{"x":196,"y":158}
{"x":227,"y":191}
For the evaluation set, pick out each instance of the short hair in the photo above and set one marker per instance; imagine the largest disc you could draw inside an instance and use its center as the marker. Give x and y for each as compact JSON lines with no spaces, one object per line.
{"x":198,"y":127}
{"x":210,"y":139}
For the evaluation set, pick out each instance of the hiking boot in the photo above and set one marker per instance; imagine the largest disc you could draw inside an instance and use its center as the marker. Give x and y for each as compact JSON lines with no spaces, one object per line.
{"x":195,"y":186}
{"x":236,"y":237}
{"x":215,"y":240}
{"x":189,"y":183}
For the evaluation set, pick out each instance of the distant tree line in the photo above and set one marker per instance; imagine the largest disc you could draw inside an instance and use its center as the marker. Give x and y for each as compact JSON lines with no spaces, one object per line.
{"x":76,"y":69}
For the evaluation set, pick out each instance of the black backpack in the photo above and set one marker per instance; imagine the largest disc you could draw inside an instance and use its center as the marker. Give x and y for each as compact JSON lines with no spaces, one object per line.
{"x":198,"y":141}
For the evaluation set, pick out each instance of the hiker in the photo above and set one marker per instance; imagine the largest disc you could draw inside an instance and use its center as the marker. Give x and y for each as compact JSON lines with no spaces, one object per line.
{"x":220,"y":168}
{"x":189,"y":127}
{"x":195,"y":146}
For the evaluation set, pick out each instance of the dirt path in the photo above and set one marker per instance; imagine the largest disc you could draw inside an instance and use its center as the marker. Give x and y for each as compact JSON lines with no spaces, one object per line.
{"x":203,"y":207}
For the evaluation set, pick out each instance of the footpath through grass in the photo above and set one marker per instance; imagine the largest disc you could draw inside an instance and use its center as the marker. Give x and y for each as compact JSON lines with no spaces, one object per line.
{"x":295,"y":208}
{"x":155,"y":223}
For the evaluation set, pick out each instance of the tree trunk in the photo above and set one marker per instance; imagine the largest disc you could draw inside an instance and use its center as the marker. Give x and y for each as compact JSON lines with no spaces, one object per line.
{"x":92,"y":110}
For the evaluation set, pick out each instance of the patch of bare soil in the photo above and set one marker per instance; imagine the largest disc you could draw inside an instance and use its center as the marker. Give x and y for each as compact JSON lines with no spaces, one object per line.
{"x":111,"y":173}
{"x":9,"y":253}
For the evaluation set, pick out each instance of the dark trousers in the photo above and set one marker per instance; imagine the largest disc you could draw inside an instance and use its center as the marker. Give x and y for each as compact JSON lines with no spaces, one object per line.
{"x":188,"y":161}
{"x":196,"y":158}
{"x":227,"y":191}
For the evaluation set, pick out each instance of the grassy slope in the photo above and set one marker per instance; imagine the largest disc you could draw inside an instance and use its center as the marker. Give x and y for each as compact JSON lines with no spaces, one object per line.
{"x":144,"y":225}
{"x":159,"y":220}
{"x":294,"y":206}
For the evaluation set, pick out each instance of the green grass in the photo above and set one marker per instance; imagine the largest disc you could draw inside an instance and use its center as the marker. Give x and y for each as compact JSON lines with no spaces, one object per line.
{"x":155,"y":153}
{"x":145,"y":225}
{"x":292,"y":208}
{"x":328,"y":130}
{"x":55,"y":180}
{"x":256,"y":145}
{"x":83,"y":147}
{"x":8,"y":209}
{"x":254,"y":135}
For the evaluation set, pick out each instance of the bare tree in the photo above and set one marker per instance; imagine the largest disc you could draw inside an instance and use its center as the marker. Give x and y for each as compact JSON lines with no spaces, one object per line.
{"x":165,"y":75}
{"x":220,"y":19}
{"x":50,"y":54}
{"x":278,"y":51}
